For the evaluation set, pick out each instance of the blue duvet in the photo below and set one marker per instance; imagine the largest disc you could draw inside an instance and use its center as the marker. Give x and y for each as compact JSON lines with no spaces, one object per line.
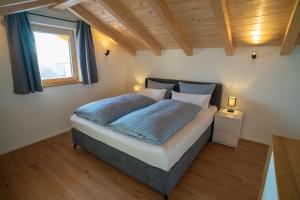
{"x":157,"y":122}
{"x":108,"y":110}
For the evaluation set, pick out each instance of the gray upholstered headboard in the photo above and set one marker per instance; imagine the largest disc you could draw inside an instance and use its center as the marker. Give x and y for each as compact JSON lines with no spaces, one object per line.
{"x":216,"y":96}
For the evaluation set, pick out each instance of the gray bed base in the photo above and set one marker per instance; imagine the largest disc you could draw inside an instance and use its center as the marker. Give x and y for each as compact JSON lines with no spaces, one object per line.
{"x":156,"y":178}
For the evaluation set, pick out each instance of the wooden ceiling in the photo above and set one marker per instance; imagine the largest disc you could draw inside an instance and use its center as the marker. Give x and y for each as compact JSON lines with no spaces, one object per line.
{"x":187,"y":24}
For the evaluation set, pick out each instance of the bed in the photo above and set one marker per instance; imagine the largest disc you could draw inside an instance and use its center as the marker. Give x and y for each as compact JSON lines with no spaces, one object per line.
{"x":158,"y":166}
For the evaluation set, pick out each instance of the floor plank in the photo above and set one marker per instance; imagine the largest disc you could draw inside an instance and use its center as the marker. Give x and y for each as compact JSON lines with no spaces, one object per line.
{"x":51,"y":169}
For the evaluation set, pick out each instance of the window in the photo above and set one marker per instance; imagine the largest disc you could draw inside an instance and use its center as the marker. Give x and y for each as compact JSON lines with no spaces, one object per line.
{"x":56,"y":55}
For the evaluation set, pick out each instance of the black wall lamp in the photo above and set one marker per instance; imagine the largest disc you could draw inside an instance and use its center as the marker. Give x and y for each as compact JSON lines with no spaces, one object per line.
{"x":107,"y":52}
{"x":253,"y":55}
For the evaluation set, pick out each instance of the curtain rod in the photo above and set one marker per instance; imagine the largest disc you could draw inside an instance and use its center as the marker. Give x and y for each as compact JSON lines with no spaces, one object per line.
{"x":30,"y":13}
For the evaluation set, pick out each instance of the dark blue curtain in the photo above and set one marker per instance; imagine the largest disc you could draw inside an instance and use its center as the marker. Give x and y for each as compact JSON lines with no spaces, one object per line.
{"x":86,"y":52}
{"x":23,"y":57}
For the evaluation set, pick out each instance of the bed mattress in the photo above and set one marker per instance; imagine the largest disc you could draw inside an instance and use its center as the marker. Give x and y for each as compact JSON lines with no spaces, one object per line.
{"x":160,"y":156}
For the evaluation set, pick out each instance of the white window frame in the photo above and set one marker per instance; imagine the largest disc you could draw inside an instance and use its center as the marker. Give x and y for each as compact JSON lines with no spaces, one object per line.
{"x":61,"y":81}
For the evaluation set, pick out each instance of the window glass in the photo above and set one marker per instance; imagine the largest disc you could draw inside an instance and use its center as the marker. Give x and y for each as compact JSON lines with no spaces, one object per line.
{"x":54,"y":55}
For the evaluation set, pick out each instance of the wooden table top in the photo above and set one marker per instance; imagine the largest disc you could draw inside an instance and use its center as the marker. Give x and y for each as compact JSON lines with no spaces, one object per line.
{"x":287,"y":167}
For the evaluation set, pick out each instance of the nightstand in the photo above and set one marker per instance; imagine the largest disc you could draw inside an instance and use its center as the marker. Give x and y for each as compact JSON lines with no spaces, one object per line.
{"x":227,"y":127}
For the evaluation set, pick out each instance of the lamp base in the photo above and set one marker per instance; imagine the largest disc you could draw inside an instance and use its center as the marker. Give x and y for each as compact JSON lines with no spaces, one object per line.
{"x":230,"y":110}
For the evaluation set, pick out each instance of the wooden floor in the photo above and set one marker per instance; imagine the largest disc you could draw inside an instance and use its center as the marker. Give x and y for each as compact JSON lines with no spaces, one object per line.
{"x":51,"y":169}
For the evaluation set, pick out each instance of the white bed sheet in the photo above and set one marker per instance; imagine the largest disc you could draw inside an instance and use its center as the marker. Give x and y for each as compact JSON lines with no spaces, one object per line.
{"x":160,"y":156}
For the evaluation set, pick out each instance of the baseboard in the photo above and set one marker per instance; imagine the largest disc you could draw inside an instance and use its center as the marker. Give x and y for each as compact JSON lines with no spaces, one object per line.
{"x":254,"y":140}
{"x":19,"y":146}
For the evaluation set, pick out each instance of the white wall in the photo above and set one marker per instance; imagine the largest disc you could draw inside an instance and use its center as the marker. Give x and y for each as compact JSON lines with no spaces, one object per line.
{"x":25,"y":119}
{"x":268,"y":88}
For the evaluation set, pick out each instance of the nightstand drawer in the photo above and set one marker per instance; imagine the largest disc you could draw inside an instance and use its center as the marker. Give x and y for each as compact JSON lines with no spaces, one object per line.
{"x":227,"y":125}
{"x":224,"y":137}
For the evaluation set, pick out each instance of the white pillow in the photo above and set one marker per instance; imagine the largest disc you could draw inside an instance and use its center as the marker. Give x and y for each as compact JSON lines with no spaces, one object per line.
{"x":155,"y":94}
{"x":201,"y":100}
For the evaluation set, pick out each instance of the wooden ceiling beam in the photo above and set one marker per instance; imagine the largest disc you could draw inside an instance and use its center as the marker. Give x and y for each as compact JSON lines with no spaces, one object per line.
{"x":221,"y":13}
{"x":20,"y":7}
{"x":292,"y":31}
{"x":164,"y":13}
{"x":85,"y":15}
{"x":123,"y":15}
{"x":13,"y":2}
{"x":67,"y":4}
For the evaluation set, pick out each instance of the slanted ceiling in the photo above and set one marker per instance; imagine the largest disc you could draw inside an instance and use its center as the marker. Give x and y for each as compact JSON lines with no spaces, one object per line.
{"x":184,"y":24}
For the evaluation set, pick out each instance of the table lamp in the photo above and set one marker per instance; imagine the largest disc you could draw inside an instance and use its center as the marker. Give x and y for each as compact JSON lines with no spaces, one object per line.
{"x":137,"y":87}
{"x":231,"y":103}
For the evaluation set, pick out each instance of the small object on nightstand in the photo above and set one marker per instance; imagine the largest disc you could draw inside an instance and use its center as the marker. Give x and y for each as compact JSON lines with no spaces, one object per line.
{"x":227,"y":127}
{"x":231,"y":103}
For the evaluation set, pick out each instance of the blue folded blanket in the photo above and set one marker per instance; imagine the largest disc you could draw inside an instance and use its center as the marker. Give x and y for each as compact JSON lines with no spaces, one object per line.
{"x":157,"y":122}
{"x":108,"y":110}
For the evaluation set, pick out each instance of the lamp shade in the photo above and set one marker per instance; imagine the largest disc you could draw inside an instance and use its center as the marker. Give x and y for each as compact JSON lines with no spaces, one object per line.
{"x":137,"y":88}
{"x":231,"y":101}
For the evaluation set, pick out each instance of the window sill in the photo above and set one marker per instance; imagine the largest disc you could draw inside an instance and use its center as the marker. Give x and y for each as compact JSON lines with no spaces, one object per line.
{"x":58,"y":82}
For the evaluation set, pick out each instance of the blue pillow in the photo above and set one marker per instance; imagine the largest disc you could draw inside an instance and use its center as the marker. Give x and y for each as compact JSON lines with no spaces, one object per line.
{"x":158,"y":85}
{"x":196,"y":88}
